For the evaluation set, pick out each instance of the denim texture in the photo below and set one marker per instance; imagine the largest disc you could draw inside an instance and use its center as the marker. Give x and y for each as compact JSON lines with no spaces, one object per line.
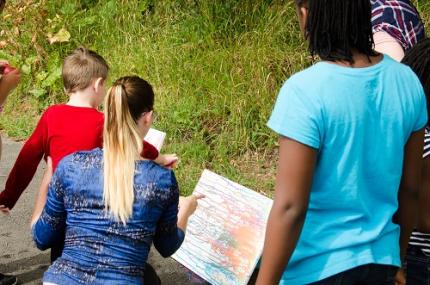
{"x":417,"y":266}
{"x":98,"y":249}
{"x":370,"y":274}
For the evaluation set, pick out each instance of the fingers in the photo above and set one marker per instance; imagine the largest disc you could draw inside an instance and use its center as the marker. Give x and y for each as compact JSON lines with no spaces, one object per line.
{"x":198,"y":196}
{"x":4,"y":209}
{"x":11,"y":79}
{"x":49,"y":163}
{"x":171,"y":161}
{"x":172,"y":158}
{"x":14,"y":72}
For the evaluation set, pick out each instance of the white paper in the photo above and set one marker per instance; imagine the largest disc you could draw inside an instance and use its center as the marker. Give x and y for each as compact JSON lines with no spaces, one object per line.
{"x":156,"y":138}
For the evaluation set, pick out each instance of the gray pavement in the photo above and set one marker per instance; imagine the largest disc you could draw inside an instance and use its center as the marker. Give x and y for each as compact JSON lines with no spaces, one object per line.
{"x":20,"y":257}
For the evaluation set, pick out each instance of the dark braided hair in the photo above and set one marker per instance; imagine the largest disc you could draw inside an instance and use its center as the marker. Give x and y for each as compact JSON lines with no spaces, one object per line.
{"x":418,"y":59}
{"x":335,"y":28}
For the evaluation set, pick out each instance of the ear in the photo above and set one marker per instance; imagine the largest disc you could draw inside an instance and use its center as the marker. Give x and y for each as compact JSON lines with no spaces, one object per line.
{"x":144,"y":122}
{"x":303,"y":13}
{"x":98,"y":84}
{"x":147,"y":118}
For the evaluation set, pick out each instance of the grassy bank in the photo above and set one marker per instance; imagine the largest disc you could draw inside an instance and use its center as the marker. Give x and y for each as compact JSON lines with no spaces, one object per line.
{"x":216,"y":67}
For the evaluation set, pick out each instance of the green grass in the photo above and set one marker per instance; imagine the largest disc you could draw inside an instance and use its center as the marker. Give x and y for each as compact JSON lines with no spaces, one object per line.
{"x":216,"y":67}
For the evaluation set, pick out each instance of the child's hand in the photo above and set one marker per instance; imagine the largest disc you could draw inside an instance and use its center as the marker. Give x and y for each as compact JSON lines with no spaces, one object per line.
{"x":167,"y":160}
{"x":400,"y":278}
{"x":10,"y":78}
{"x":5,"y":210}
{"x":3,"y":63}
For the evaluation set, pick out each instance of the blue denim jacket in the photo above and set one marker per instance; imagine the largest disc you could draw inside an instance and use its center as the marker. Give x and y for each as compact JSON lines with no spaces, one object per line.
{"x":99,"y":250}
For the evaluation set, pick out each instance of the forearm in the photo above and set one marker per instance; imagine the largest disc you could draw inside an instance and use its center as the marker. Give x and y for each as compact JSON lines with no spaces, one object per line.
{"x":407,"y":217}
{"x":182,"y":221}
{"x":409,"y":188}
{"x":424,"y":199}
{"x":283,"y":231}
{"x":159,"y":160}
{"x":20,"y":176}
{"x":4,"y":92}
{"x":41,"y":197}
{"x":23,"y":171}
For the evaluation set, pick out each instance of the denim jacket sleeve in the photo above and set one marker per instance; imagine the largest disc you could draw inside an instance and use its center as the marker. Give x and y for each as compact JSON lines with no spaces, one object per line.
{"x":168,"y":237}
{"x":52,"y":221}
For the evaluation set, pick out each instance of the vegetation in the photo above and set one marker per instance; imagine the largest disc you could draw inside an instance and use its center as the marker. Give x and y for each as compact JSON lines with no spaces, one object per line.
{"x":216,"y":67}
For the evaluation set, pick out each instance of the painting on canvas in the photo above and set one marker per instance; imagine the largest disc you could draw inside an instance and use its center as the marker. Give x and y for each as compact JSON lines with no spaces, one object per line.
{"x":225,"y":235}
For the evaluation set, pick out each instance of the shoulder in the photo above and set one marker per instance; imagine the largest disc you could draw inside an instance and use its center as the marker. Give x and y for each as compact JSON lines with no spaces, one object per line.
{"x":51,"y":111}
{"x":95,"y":116}
{"x":154,"y":182}
{"x":87,"y":159}
{"x":55,"y":108}
{"x":164,"y":177}
{"x":305,"y":86}
{"x":300,"y":81}
{"x":405,"y":72}
{"x":307,"y":75}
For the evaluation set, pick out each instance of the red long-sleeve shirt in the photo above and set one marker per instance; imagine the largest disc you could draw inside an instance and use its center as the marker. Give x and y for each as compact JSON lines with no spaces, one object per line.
{"x":62,"y":130}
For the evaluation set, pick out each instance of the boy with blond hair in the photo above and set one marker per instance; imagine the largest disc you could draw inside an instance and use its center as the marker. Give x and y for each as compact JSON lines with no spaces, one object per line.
{"x":67,"y":128}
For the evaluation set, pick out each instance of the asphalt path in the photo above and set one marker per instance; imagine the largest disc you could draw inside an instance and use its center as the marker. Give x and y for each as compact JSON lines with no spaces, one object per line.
{"x":20,"y":257}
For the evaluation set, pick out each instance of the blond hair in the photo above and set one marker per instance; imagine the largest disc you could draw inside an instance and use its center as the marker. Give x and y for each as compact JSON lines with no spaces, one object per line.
{"x":81,"y":67}
{"x":125,"y":102}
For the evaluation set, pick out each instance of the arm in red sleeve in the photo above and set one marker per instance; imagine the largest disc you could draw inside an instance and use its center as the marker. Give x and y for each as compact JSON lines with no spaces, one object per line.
{"x":26,"y":164}
{"x":149,"y":151}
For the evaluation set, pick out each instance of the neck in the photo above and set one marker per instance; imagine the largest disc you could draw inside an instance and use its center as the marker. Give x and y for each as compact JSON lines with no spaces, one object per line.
{"x":142,"y":132}
{"x":361,"y":60}
{"x":82,"y":98}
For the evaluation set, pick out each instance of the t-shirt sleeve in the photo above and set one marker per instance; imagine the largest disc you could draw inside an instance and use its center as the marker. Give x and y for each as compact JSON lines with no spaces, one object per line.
{"x":297,"y":116}
{"x":421,"y":107}
{"x":26,"y":164}
{"x":149,"y":151}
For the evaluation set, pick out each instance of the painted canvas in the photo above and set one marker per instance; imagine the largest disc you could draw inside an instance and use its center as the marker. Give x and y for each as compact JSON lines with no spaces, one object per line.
{"x":225,"y":236}
{"x":156,"y":138}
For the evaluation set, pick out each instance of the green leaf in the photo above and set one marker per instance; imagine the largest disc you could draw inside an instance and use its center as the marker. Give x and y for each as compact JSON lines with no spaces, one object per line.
{"x":30,"y":60}
{"x":41,"y":76}
{"x":53,"y":76}
{"x":109,"y":6}
{"x":87,"y":21}
{"x":26,"y":68}
{"x":38,"y":92}
{"x":144,"y":4}
{"x":61,"y":36}
{"x":68,"y":8}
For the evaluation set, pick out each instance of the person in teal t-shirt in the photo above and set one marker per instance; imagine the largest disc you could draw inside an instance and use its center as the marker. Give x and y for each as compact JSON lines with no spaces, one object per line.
{"x":351,"y":136}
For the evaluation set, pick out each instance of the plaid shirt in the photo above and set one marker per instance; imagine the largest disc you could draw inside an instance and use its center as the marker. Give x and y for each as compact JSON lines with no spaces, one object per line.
{"x":400,"y":19}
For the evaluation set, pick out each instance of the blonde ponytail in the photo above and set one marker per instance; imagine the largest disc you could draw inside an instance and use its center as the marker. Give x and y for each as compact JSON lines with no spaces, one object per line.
{"x":122,"y":146}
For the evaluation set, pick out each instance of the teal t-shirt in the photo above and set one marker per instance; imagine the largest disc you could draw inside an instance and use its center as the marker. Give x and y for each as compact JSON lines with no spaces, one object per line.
{"x":359,"y":120}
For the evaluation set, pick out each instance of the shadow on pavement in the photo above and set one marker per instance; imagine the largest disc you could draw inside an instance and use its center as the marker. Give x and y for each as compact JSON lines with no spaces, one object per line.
{"x":27,"y":269}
